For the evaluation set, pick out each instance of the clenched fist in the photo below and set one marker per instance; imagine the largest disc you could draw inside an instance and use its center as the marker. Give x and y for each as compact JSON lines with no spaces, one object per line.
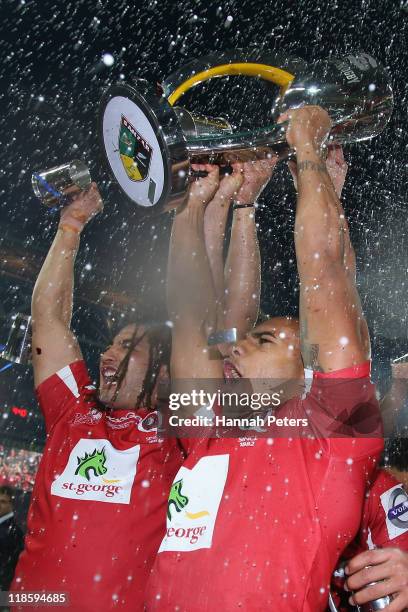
{"x":81,"y":209}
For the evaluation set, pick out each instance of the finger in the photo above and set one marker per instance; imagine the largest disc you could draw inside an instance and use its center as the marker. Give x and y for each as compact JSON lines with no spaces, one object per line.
{"x":372,"y":592}
{"x":398,"y":604}
{"x":198,"y":167}
{"x":284,"y":117}
{"x":368,"y":557}
{"x":238,"y":167}
{"x":375,"y":591}
{"x":366,"y":575}
{"x":271,"y":159}
{"x":213,"y":171}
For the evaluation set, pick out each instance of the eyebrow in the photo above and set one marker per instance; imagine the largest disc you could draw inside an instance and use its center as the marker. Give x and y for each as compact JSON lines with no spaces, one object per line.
{"x":263,"y":333}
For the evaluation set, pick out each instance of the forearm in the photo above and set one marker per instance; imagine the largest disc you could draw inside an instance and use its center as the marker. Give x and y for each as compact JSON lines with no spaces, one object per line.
{"x":243,"y":273}
{"x":53,"y":292}
{"x":215,"y":220}
{"x":190,"y":290}
{"x":330,"y":311}
{"x":320,"y":228}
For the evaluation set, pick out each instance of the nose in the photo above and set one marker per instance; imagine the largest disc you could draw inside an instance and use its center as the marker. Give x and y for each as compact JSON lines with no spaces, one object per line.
{"x":237,"y":350}
{"x":109,"y":353}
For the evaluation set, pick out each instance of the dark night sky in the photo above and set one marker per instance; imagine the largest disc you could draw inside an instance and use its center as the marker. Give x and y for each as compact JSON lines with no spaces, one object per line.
{"x":52,"y":50}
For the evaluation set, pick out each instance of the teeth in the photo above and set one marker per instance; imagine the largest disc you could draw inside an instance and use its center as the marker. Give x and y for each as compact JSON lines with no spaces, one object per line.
{"x":230,"y":371}
{"x":109,"y":375}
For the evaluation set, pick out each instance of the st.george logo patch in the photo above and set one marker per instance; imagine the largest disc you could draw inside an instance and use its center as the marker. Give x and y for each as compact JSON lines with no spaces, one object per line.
{"x":193,"y":504}
{"x":135,"y":152}
{"x":395,"y":504}
{"x":99,"y":472}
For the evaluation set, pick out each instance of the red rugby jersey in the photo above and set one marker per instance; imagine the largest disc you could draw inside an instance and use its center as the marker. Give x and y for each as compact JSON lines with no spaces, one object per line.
{"x":97,"y":514}
{"x":384,"y":524}
{"x":260,"y":523}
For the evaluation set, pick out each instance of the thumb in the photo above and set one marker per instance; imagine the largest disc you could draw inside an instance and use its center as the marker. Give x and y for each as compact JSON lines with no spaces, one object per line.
{"x":283,"y":117}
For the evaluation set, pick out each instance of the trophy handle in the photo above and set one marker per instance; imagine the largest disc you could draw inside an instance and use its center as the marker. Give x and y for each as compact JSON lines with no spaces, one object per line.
{"x":273,"y":68}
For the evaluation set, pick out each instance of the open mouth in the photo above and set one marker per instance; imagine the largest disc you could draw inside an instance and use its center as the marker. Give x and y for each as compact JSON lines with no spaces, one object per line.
{"x":109,"y":375}
{"x":230,"y":371}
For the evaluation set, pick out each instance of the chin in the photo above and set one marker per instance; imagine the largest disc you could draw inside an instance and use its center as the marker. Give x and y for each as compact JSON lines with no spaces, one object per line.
{"x":105,"y":396}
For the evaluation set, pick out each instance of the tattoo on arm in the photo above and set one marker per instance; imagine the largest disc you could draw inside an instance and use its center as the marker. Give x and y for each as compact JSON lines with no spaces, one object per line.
{"x":310,"y":352}
{"x":310,"y":355}
{"x":311,"y":165}
{"x":321,"y":167}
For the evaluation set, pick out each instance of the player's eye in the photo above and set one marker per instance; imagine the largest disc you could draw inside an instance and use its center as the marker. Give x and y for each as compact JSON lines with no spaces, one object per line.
{"x":265,"y":338}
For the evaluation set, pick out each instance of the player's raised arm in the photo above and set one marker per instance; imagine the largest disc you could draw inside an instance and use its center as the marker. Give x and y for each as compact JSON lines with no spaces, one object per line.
{"x":238,"y":282}
{"x":215,"y":221}
{"x":243,"y":265}
{"x":191,"y":295}
{"x":54,"y":345}
{"x":333,"y":329}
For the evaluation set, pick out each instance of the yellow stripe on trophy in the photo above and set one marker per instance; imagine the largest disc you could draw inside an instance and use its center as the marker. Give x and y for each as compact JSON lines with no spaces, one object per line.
{"x":264,"y":71}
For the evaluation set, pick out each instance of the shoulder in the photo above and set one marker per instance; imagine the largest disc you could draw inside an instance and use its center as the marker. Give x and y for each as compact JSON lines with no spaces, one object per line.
{"x":72,"y":382}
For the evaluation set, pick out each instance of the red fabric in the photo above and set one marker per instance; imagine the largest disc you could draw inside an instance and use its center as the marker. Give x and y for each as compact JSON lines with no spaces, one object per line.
{"x":100,"y":551}
{"x":373,"y":531}
{"x":288,"y":507}
{"x":361,"y":370}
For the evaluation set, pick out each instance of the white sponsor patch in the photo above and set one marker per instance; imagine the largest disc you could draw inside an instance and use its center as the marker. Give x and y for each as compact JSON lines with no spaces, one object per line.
{"x":193,"y":504}
{"x":99,"y":472}
{"x":395,"y":504}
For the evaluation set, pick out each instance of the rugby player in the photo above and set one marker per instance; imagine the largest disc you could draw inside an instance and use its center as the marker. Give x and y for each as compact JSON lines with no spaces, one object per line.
{"x":263,"y":524}
{"x":98,"y":506}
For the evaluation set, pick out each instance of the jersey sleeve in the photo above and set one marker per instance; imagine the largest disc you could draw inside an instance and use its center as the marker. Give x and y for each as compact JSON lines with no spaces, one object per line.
{"x":385,"y":499}
{"x":343,"y":404}
{"x":65,"y":389}
{"x":384,"y":524}
{"x":385,"y":521}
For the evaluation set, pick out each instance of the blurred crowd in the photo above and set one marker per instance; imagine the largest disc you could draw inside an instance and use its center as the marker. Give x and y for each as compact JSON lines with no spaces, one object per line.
{"x":18,"y":467}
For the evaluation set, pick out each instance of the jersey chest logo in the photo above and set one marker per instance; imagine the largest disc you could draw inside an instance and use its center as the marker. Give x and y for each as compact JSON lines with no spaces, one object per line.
{"x":96,"y":471}
{"x":395,"y":504}
{"x":193,"y":504}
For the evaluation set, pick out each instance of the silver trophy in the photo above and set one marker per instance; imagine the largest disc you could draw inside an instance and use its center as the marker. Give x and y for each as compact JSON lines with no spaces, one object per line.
{"x":54,"y":186}
{"x":18,"y":346}
{"x":150,"y":142}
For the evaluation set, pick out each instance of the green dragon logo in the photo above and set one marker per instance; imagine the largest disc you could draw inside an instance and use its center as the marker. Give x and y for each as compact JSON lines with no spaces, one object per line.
{"x":94,"y":461}
{"x":176,"y":498}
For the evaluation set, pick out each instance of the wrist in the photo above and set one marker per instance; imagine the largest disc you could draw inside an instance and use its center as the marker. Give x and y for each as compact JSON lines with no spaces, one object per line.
{"x":244,"y":212}
{"x":71,"y":226}
{"x":69,"y":235}
{"x":308,"y":151}
{"x":248,"y":206}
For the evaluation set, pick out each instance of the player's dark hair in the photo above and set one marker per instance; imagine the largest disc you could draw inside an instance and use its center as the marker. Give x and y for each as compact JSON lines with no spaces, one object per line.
{"x":9,"y":491}
{"x":159,"y":340}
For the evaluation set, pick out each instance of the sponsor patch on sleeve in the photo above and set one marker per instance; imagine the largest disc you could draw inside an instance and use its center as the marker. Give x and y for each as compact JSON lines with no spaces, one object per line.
{"x":395,"y":504}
